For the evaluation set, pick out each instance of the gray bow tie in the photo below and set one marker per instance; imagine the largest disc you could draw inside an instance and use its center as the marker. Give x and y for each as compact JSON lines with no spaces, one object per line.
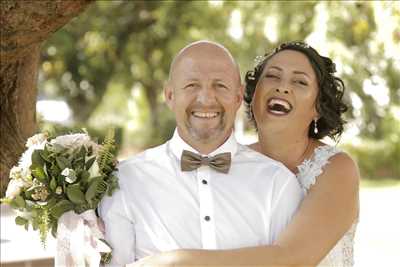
{"x":191,"y":161}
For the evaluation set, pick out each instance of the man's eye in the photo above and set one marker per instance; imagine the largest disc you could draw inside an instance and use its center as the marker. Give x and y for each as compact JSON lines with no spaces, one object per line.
{"x":190,"y":85}
{"x":220,"y":85}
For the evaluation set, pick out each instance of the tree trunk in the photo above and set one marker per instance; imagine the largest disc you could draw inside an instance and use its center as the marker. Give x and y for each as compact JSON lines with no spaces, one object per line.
{"x":24,"y":26}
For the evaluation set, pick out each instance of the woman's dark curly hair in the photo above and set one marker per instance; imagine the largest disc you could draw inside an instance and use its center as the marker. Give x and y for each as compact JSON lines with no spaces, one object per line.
{"x":329,"y":104}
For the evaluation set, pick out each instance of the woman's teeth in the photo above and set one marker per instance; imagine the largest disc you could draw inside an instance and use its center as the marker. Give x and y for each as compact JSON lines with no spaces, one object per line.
{"x":205,"y":114}
{"x":279,"y":106}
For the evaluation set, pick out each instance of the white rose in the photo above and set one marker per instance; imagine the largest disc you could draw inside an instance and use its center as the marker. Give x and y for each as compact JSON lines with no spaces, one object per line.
{"x":16,"y":172}
{"x":14,"y":188}
{"x":26,"y":159}
{"x":73,"y":141}
{"x":70,"y":175}
{"x":37,"y":139}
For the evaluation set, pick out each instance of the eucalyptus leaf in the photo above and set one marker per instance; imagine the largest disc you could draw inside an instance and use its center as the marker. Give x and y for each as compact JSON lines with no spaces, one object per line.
{"x":53,"y":184}
{"x":93,"y":190}
{"x":61,"y":207}
{"x":75,"y":194}
{"x":82,"y":152}
{"x":62,"y":162}
{"x":35,"y":225}
{"x":20,"y":220}
{"x":54,"y":230}
{"x":36,"y":158}
{"x":20,"y":201}
{"x":39,"y":174}
{"x":85,"y":176}
{"x":14,"y":204}
{"x":44,"y":154}
{"x":90,"y":162}
{"x":52,"y":202}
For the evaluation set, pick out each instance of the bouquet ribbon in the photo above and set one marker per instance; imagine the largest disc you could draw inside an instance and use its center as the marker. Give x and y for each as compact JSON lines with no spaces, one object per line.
{"x":79,"y":240}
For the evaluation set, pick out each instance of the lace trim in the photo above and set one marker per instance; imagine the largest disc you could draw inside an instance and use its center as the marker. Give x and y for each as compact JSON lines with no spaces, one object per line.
{"x":310,"y":169}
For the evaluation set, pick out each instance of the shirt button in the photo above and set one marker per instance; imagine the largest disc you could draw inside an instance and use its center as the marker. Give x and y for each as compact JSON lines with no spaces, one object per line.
{"x":204,"y":182}
{"x":207,"y":218}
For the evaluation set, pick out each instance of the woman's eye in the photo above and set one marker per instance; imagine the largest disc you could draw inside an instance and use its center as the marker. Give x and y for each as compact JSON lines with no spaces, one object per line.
{"x":302,"y":82}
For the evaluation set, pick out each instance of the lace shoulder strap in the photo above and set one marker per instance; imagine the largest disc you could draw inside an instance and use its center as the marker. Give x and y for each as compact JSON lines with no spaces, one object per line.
{"x":310,"y":169}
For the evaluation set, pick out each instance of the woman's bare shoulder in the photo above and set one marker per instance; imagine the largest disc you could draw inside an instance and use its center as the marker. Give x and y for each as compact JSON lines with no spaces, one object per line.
{"x":342,"y":171}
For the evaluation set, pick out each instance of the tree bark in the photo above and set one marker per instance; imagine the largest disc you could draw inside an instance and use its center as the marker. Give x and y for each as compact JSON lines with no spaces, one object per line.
{"x":24,"y":26}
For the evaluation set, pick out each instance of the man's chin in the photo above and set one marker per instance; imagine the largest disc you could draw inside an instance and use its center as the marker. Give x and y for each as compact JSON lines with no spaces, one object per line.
{"x":208,"y":136}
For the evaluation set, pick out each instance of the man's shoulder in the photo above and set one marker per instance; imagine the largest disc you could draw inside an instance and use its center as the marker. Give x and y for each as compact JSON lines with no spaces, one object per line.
{"x":246,"y":154}
{"x":150,"y":155}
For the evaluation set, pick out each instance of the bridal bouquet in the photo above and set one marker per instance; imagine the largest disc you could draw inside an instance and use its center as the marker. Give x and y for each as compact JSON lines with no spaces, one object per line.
{"x":56,"y":187}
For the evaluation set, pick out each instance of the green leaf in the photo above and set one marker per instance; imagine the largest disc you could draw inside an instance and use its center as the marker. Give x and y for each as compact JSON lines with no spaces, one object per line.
{"x":75,"y":194}
{"x":14,"y":204}
{"x":36,"y":158}
{"x":20,"y":220}
{"x":35,"y":225}
{"x":61,"y":207}
{"x":85,"y":176}
{"x":90,"y":162}
{"x":54,"y":230}
{"x":52,"y":202}
{"x":62,"y":162}
{"x":39,"y":174}
{"x":93,"y":190}
{"x":82,"y":152}
{"x":20,"y":201}
{"x":53,"y":184}
{"x":44,"y":154}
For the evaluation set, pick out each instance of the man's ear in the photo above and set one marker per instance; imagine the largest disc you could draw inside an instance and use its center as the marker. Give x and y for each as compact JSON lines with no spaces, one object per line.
{"x":240,"y":95}
{"x":169,"y":95}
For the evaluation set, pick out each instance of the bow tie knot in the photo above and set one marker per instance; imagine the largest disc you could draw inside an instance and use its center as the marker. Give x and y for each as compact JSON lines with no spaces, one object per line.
{"x":191,"y":161}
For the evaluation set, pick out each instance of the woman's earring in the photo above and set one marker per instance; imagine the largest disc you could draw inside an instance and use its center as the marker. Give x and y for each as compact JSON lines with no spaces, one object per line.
{"x":315,"y":126}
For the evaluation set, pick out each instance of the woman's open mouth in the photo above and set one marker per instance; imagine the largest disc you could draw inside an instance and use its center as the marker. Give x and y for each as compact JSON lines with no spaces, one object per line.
{"x":278,"y":106}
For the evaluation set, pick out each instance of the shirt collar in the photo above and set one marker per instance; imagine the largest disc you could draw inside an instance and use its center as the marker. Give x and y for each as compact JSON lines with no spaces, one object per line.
{"x":176,"y":145}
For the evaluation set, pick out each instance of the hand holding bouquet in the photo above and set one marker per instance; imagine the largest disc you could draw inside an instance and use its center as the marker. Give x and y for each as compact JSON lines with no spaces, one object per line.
{"x":57,"y":185}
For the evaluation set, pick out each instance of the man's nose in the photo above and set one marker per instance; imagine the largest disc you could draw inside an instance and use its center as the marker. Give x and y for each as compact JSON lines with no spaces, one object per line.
{"x":206,"y":95}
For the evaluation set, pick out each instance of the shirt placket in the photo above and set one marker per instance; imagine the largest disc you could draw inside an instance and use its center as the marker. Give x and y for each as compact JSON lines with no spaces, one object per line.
{"x":207,"y":219}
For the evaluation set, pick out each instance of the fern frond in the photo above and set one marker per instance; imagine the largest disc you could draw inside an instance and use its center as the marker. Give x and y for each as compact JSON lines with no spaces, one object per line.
{"x":106,"y":153}
{"x":44,"y":225}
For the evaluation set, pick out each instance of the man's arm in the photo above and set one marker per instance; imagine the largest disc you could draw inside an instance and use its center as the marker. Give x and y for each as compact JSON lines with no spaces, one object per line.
{"x":119,"y":228}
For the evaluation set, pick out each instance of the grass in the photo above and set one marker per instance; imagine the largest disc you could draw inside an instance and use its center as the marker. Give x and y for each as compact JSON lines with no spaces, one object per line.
{"x":379,"y":182}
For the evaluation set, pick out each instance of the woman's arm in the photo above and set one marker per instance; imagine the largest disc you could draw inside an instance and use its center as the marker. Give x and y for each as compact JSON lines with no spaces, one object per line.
{"x":326,"y":213}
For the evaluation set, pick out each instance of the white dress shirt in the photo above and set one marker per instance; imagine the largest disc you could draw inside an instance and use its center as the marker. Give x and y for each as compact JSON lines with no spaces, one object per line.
{"x":160,"y":208}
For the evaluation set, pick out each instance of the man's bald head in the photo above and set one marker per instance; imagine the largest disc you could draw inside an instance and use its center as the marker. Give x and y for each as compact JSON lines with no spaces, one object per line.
{"x":205,"y":49}
{"x":204,"y":91}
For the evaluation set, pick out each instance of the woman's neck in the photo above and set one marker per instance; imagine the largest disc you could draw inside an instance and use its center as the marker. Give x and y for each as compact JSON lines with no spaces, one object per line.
{"x":288,"y":148}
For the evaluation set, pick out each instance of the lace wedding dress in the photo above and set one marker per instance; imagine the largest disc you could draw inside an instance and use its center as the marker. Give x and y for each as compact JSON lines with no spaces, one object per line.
{"x":342,"y":254}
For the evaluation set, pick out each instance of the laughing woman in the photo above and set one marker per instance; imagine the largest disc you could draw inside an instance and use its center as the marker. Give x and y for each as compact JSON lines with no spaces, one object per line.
{"x":295,"y":100}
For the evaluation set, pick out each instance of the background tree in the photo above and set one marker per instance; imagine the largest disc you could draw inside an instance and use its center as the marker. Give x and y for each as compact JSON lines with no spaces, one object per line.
{"x":110,"y":64}
{"x":24,"y":26}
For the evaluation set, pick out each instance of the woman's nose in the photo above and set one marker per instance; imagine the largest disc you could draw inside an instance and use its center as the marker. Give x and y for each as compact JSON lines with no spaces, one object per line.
{"x":284,"y":91}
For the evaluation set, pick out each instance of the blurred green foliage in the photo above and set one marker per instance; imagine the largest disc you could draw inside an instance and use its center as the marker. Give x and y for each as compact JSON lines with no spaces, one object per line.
{"x":110,"y":63}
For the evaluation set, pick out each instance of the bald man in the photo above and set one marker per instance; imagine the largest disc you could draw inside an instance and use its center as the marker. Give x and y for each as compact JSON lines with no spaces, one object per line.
{"x":201,"y":189}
